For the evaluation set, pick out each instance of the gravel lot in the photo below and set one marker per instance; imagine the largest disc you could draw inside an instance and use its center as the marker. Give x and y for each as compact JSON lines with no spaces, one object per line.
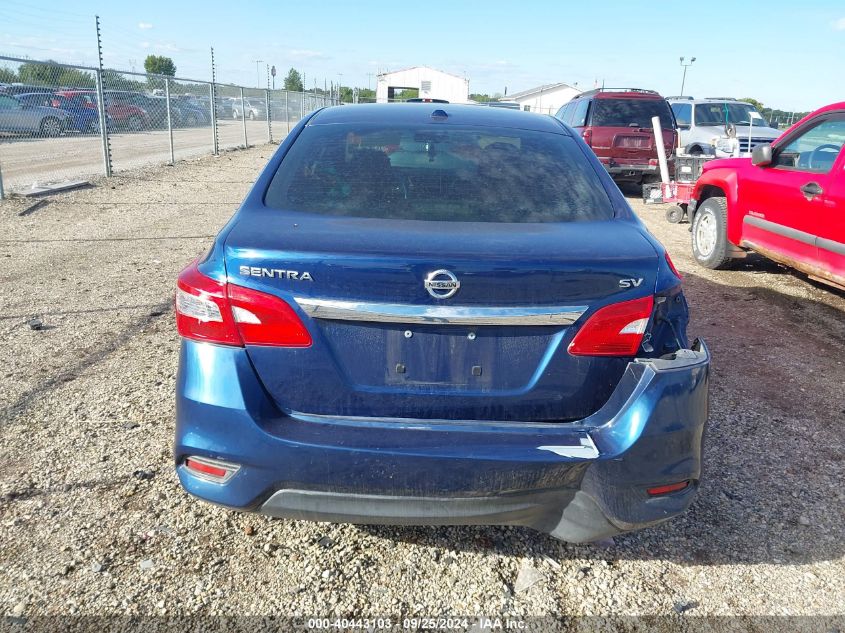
{"x":93,"y":521}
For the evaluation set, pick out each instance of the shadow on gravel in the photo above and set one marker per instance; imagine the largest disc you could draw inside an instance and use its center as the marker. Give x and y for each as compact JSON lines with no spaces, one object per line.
{"x":771,"y":492}
{"x":101,"y":352}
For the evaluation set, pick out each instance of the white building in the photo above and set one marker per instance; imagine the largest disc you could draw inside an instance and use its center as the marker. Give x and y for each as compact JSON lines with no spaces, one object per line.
{"x":546,"y":99}
{"x":431,"y":83}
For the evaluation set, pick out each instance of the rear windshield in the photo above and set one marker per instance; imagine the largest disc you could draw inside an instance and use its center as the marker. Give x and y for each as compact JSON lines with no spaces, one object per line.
{"x":631,"y":113}
{"x":434,"y":172}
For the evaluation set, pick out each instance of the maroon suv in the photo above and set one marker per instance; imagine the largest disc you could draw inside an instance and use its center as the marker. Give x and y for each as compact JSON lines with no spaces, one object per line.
{"x":616,"y":123}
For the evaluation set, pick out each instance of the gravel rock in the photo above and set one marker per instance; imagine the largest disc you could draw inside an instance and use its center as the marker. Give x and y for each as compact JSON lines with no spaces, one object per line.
{"x":527,"y":577}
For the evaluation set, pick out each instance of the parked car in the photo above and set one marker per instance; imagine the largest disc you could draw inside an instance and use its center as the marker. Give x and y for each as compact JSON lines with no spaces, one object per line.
{"x":119,"y":113}
{"x":21,"y":118}
{"x":786,"y":202}
{"x":155,"y":107}
{"x":439,"y":314}
{"x":702,"y":125}
{"x":616,"y":124}
{"x":193,"y":112}
{"x":254,"y":108}
{"x":85,"y":120}
{"x":425,"y":100}
{"x":223,"y":107}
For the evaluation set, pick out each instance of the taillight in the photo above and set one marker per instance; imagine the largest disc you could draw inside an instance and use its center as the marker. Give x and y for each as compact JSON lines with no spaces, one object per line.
{"x":264,"y":319}
{"x":672,"y":266}
{"x":215,"y":312}
{"x":587,"y":135}
{"x":202,"y":309}
{"x":214,"y":470}
{"x":615,"y":330}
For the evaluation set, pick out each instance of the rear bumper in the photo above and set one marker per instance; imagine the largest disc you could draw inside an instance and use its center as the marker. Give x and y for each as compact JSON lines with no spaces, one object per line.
{"x":621,"y":168}
{"x":576,"y":481}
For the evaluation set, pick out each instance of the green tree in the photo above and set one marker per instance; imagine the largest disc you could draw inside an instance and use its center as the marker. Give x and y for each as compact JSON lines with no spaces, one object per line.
{"x":159,"y":65}
{"x":365,"y":95}
{"x":8,"y":76}
{"x":52,"y":74}
{"x":754,"y":102}
{"x":481,"y":98}
{"x":293,"y":81}
{"x":404,"y":95}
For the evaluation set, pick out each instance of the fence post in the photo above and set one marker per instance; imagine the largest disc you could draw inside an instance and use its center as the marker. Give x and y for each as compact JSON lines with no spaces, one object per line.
{"x":269,"y":117}
{"x":104,"y":127}
{"x":214,"y":146}
{"x":169,"y":118}
{"x":243,"y":118}
{"x":287,"y":112}
{"x":2,"y":193}
{"x":301,"y":105}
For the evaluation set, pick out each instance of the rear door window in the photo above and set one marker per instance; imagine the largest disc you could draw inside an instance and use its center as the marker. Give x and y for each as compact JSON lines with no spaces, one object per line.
{"x":631,"y":113}
{"x":460,"y":174}
{"x":579,"y":116}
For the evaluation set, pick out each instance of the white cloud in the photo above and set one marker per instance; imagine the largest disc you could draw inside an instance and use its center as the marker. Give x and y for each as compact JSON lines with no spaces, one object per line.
{"x":839,"y":25}
{"x":144,"y":26}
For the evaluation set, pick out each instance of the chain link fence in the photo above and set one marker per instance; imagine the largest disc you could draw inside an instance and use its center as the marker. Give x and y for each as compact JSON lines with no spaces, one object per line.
{"x":53,"y":128}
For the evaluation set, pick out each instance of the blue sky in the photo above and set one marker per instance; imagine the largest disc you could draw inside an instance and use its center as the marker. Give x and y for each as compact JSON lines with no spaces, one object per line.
{"x":788,"y":55}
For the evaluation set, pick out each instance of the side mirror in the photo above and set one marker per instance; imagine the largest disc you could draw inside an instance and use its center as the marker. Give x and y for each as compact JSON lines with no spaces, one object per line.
{"x":761,"y":155}
{"x":683,"y":126}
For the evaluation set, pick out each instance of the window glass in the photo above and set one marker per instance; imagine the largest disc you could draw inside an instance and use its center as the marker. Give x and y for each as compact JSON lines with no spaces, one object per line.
{"x":814,"y":150}
{"x":621,"y":112}
{"x":724,"y":112}
{"x":683,"y":113}
{"x":461,"y":174}
{"x":9,"y":103}
{"x":579,"y":115}
{"x":565,"y":112}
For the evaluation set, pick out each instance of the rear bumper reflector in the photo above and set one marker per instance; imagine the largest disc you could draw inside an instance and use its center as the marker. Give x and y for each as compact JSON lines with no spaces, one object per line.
{"x":448,"y":315}
{"x":213,"y":470}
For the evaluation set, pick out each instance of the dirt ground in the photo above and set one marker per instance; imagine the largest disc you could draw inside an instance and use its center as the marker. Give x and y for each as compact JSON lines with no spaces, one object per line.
{"x":93,"y":521}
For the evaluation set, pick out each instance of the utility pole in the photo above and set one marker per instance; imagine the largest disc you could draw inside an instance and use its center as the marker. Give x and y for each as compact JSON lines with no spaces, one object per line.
{"x":258,"y":72}
{"x":685,"y":65}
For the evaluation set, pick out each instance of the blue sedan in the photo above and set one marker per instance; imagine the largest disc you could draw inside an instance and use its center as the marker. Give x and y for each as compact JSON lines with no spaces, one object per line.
{"x":85,"y":119}
{"x":439,"y":314}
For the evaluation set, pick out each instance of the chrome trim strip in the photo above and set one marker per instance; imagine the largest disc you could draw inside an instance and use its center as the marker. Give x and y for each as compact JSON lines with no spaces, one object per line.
{"x":448,"y":315}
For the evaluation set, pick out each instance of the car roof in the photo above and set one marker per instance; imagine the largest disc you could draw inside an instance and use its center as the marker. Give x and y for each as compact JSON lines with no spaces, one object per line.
{"x":421,"y":114}
{"x":706,"y":100}
{"x":619,"y":93}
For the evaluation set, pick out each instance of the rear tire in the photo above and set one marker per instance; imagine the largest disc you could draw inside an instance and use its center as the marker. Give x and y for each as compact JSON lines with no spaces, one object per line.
{"x":710,"y":233}
{"x":50,"y":126}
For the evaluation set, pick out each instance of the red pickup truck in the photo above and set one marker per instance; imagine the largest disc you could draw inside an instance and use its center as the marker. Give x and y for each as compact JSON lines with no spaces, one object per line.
{"x":787,"y":202}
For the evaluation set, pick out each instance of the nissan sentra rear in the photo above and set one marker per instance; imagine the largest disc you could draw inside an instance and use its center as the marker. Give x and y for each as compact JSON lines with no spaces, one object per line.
{"x":439,"y":314}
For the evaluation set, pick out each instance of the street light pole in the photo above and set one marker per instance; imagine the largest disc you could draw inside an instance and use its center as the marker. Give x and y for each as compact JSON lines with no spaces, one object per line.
{"x":685,"y":65}
{"x":258,"y":72}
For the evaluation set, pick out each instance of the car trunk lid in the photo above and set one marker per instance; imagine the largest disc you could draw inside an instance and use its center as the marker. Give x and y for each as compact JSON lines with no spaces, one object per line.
{"x":384,"y":346}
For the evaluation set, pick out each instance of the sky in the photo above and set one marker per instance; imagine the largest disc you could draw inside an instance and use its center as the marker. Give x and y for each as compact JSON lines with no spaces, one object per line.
{"x":788,"y":55}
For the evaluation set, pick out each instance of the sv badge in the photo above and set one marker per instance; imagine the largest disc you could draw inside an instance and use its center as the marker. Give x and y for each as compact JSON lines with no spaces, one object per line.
{"x":630,"y":283}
